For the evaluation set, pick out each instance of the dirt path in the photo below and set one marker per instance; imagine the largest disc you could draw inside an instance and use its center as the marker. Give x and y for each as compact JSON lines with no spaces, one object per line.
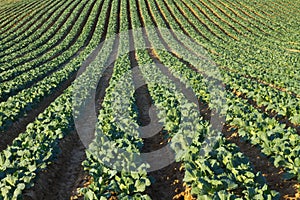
{"x":19,"y":126}
{"x":166,"y":182}
{"x":60,"y":178}
{"x":273,"y":175}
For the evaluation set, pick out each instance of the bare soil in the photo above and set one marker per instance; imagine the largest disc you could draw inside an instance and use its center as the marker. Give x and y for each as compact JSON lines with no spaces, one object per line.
{"x":20,"y":125}
{"x":62,"y":177}
{"x":273,"y":175}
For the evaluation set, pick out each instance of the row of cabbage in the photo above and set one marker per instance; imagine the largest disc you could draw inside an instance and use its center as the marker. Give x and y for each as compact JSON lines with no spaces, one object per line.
{"x":283,"y":103}
{"x":210,"y":175}
{"x":37,"y":33}
{"x":208,"y":185}
{"x":25,"y":73}
{"x":249,"y":58}
{"x":21,"y":21}
{"x":117,"y":126}
{"x":118,"y":103}
{"x":36,"y":148}
{"x":9,"y":12}
{"x":276,"y":140}
{"x":30,"y":88}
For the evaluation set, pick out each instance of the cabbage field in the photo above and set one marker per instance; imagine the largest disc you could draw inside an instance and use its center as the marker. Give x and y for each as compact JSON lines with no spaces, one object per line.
{"x":150,"y":99}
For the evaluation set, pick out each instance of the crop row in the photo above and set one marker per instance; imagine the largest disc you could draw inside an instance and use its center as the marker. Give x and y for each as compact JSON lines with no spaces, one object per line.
{"x":273,"y":99}
{"x":255,"y":126}
{"x":36,"y":148}
{"x":8,"y":11}
{"x":29,"y":20}
{"x":16,"y":47}
{"x":46,"y":52}
{"x":19,"y":104}
{"x":209,"y":183}
{"x":223,"y":172}
{"x":253,"y":62}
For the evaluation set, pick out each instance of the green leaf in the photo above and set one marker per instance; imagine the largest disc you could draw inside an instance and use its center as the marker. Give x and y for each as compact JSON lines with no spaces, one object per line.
{"x":90,"y":195}
{"x":140,"y":185}
{"x":32,"y":168}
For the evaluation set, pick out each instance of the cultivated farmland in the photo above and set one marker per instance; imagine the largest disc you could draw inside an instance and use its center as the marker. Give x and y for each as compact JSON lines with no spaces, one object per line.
{"x":150,"y":99}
